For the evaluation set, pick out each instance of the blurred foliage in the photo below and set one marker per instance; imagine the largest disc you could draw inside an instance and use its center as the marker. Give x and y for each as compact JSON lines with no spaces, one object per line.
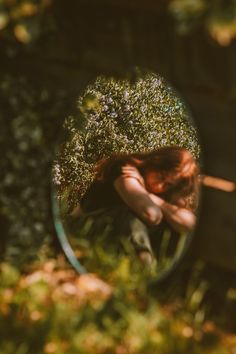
{"x":25,"y":19}
{"x":71,"y":314}
{"x":218,"y":17}
{"x":27,"y":143}
{"x":91,"y":243}
{"x":119,"y":116}
{"x":49,"y":309}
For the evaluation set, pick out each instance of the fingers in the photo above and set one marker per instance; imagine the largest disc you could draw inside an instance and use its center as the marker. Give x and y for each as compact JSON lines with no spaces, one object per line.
{"x":132,"y":172}
{"x":129,"y":168}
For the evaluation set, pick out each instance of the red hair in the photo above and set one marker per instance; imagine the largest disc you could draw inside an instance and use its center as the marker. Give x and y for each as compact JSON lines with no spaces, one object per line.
{"x":175,"y":167}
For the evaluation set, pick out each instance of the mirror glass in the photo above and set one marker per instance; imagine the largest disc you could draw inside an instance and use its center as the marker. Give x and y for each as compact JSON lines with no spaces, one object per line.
{"x":125,"y":177}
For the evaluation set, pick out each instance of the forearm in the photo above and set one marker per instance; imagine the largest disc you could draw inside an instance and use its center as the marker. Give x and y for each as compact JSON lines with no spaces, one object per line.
{"x":138,"y":200}
{"x":151,"y":215}
{"x":180,"y":219}
{"x":144,"y":208}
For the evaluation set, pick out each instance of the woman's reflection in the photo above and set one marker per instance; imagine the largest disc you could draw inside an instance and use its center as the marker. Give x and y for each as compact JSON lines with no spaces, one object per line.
{"x":135,"y":196}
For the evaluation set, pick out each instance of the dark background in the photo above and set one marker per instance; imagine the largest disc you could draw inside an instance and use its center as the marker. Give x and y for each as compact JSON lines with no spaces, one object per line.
{"x":70,"y":45}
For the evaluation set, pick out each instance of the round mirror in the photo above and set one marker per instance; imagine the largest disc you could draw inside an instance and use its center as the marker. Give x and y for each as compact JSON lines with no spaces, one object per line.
{"x":125,"y":177}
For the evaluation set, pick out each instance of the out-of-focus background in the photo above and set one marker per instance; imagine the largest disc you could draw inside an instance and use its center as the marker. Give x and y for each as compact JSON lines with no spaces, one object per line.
{"x":50,"y":52}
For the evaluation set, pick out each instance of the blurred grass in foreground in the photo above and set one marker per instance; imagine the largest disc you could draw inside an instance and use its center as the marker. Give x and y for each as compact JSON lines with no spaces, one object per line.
{"x":53,"y":310}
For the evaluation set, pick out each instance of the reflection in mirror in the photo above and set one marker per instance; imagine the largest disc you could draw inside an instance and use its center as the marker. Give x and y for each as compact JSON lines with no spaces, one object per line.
{"x":126,"y":176}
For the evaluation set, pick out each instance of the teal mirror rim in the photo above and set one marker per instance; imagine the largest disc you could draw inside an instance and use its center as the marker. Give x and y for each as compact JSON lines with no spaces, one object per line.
{"x":62,"y":237}
{"x":177,"y":258}
{"x":80,"y":269}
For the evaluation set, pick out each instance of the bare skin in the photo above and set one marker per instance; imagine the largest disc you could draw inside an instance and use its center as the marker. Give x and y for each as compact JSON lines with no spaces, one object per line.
{"x":179,"y":218}
{"x":149,"y":207}
{"x":137,"y":198}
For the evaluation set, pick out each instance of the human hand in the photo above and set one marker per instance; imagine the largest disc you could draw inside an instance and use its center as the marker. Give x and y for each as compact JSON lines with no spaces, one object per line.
{"x":132,"y":172}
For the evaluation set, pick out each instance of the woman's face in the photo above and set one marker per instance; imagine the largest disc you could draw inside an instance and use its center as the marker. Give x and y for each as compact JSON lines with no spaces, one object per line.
{"x":153,"y":182}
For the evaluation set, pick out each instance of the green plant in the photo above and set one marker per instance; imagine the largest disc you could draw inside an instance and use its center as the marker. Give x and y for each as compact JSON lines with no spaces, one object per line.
{"x":119,"y":116}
